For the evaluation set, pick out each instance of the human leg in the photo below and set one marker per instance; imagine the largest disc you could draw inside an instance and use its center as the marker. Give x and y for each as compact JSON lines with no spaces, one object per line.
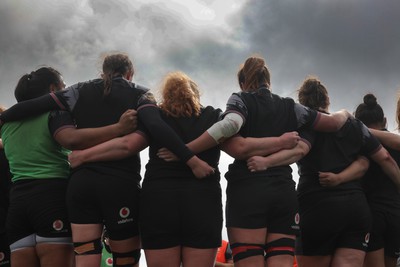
{"x":87,"y":244}
{"x":279,"y":250}
{"x":201,"y":217}
{"x":348,"y":257}
{"x":54,"y":245}
{"x":24,"y":257}
{"x":194,"y":257}
{"x":310,"y":261}
{"x":4,"y":251}
{"x":375,"y":259}
{"x":121,"y":221}
{"x":160,"y":223}
{"x":60,"y":255}
{"x":247,"y":246}
{"x":390,"y":262}
{"x":168,"y":257}
{"x":126,"y":252}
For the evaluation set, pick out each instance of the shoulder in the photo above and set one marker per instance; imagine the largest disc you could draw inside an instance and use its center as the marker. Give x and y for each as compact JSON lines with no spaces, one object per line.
{"x":211,"y":111}
{"x":57,"y":113}
{"x":80,"y":85}
{"x":140,"y":87}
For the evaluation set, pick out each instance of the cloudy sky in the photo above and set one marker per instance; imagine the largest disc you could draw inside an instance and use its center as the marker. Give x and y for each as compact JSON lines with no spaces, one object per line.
{"x":351,"y":45}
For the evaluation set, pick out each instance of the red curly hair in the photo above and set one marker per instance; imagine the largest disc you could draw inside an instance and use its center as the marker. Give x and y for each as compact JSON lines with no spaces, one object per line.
{"x":180,"y":95}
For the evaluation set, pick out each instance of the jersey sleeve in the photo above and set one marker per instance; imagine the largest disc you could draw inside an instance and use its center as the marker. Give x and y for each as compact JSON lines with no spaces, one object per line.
{"x":159,"y":130}
{"x":61,"y":100}
{"x":29,"y":108}
{"x":236,"y":104}
{"x":370,"y":143}
{"x":59,"y":120}
{"x":306,"y":117}
{"x":307,"y":135}
{"x":66,"y":99}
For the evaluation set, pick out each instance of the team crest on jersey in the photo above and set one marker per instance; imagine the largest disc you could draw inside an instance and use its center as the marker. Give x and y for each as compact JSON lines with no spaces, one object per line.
{"x":58,"y":225}
{"x":124,"y":212}
{"x":297,"y":218}
{"x":2,"y":256}
{"x":109,"y":261}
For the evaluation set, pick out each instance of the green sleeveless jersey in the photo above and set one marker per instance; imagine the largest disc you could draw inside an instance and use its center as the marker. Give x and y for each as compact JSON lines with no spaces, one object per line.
{"x":32,"y":152}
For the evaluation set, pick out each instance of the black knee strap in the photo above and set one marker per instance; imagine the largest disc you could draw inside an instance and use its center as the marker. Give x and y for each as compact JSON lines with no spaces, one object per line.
{"x":242,"y":251}
{"x":282,"y":246}
{"x":127,"y":259}
{"x":88,"y":248}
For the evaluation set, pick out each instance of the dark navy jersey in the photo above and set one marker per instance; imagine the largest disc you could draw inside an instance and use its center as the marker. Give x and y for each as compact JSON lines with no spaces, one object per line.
{"x":188,"y":129}
{"x":334,"y":152}
{"x":59,"y":120}
{"x":267,"y":115}
{"x":91,"y":108}
{"x":378,"y":186}
{"x":80,"y":100}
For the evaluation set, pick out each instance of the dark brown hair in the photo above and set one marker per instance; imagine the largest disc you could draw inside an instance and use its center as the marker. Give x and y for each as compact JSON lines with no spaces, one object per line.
{"x":370,"y":112}
{"x":313,"y":94}
{"x":114,"y":65}
{"x":254,"y":74}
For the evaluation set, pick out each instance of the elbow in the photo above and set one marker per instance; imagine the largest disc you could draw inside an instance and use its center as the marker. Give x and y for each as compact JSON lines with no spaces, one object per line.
{"x":72,"y":144}
{"x":127,"y":146}
{"x":238,"y":151}
{"x":299,"y":154}
{"x":383,"y":158}
{"x":386,"y":157}
{"x":302,"y":149}
{"x":364,"y":165}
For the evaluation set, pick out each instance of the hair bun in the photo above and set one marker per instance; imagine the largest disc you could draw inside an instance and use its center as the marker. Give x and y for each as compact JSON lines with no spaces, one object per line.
{"x":370,"y":100}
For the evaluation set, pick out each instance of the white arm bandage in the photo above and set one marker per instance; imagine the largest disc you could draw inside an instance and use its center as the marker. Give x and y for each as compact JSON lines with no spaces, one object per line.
{"x":227,"y":127}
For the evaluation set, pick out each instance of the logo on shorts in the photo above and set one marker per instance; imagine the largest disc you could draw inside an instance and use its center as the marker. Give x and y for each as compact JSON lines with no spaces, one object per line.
{"x":109,"y":261}
{"x":58,"y":225}
{"x":367,"y":238}
{"x":124,"y":212}
{"x":297,"y":218}
{"x":2,"y":256}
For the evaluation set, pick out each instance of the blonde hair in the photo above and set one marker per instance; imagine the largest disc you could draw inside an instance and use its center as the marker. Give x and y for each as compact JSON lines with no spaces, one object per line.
{"x":180,"y":95}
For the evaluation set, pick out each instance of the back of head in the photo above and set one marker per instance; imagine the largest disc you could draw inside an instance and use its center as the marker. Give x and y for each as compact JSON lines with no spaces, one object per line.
{"x":37,"y":83}
{"x":313,"y":94}
{"x":180,"y":95}
{"x":254,"y":74}
{"x":370,"y":112}
{"x":115,"y":65}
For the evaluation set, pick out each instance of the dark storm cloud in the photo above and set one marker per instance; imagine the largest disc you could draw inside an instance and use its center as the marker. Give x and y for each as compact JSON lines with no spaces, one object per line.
{"x":351,"y":45}
{"x":70,"y":35}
